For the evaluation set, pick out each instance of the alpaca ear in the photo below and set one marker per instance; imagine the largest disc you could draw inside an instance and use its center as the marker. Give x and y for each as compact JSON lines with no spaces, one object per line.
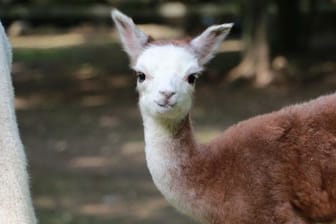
{"x":206,"y":44}
{"x":132,"y":38}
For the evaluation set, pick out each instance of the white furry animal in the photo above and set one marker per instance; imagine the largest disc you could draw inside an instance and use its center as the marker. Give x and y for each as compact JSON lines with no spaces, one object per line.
{"x":15,"y":201}
{"x":278,"y":168}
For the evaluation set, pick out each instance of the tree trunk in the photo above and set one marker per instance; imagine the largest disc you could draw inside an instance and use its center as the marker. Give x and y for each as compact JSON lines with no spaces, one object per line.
{"x":255,"y":62}
{"x":309,"y":23}
{"x":289,"y":26}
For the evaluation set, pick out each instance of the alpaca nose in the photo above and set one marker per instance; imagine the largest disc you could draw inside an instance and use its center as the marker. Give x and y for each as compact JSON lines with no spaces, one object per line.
{"x":167,"y":94}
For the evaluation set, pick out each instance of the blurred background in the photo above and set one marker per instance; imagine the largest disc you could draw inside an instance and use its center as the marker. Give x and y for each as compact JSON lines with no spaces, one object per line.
{"x":76,"y":98}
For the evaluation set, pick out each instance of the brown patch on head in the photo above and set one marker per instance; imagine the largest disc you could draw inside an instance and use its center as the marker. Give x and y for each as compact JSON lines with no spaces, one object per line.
{"x":177,"y":42}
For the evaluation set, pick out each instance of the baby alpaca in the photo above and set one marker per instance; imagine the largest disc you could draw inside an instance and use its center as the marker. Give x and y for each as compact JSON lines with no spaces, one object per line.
{"x":278,"y":168}
{"x":15,"y":202}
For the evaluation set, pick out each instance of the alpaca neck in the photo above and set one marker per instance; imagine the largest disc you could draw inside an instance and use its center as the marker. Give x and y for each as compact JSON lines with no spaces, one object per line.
{"x":6,"y":89}
{"x":172,"y":140}
{"x":9,"y":132}
{"x":170,"y":148}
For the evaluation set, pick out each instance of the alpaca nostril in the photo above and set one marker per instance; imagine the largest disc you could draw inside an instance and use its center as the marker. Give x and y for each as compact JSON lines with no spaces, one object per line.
{"x":167,"y":94}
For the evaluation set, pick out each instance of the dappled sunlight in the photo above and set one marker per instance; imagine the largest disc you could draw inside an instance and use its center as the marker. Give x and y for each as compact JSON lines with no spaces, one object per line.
{"x":173,"y":10}
{"x":29,"y":102}
{"x":48,"y":41}
{"x":132,"y":148}
{"x":119,"y":81}
{"x":328,"y":67}
{"x":23,"y":74}
{"x":134,"y":151}
{"x":231,"y":46}
{"x":109,"y":121}
{"x":45,"y":202}
{"x":74,"y":39}
{"x":54,"y":202}
{"x":89,"y":86}
{"x":149,"y":208}
{"x":279,"y":62}
{"x":92,"y":162}
{"x":137,"y":209}
{"x":78,"y":38}
{"x":86,"y":71}
{"x":101,"y":210}
{"x":161,"y":32}
{"x":94,"y":101}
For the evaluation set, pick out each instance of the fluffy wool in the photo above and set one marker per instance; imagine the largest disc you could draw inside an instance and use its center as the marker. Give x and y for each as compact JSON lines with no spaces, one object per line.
{"x":15,"y":201}
{"x":167,"y":67}
{"x":277,"y":168}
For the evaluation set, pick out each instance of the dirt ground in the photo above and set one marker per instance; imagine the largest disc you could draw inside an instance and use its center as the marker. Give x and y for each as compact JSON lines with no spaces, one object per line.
{"x":83,"y":135}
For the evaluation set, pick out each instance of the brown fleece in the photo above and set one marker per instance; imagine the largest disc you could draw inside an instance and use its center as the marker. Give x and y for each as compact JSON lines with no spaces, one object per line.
{"x":277,"y":168}
{"x":178,"y":42}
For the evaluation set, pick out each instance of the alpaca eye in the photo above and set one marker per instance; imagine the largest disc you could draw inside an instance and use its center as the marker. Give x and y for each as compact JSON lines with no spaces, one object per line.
{"x":192,"y":78}
{"x":141,"y":76}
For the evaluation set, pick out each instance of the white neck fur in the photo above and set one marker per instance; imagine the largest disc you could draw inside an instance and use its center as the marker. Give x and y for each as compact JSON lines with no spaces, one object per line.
{"x":169,"y":146}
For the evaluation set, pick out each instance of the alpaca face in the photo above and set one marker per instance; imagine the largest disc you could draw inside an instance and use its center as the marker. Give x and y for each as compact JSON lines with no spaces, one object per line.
{"x":167,"y":72}
{"x":166,"y":77}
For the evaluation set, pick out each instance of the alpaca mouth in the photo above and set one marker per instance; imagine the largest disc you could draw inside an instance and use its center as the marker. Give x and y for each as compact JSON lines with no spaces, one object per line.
{"x":165,"y":105}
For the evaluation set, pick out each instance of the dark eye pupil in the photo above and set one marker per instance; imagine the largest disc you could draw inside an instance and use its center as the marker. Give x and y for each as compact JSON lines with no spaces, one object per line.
{"x":191,"y":79}
{"x":141,"y":76}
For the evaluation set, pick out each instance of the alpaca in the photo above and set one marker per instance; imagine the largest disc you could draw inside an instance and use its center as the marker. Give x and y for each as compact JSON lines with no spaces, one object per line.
{"x":15,"y":201}
{"x":277,"y":168}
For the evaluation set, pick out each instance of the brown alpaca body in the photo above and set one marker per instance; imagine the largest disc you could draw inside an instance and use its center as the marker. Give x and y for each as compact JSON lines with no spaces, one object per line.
{"x":274,"y":168}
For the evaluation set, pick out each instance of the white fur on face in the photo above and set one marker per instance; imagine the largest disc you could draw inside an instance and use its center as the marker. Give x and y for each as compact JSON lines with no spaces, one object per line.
{"x":167,"y":68}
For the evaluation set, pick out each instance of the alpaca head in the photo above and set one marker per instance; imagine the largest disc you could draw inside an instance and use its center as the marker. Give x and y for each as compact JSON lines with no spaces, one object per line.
{"x":167,"y":70}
